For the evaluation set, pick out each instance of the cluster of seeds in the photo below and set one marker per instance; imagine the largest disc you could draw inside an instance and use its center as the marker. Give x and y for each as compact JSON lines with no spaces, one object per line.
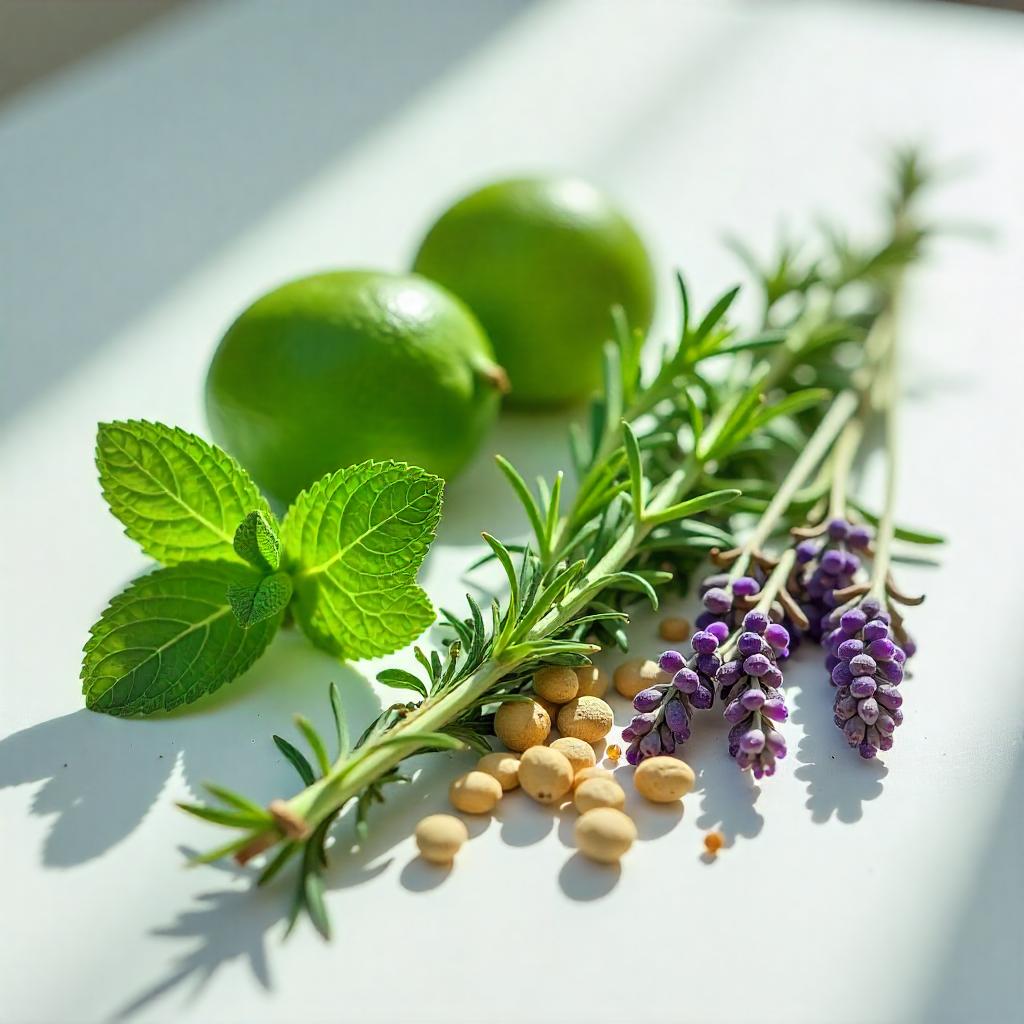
{"x":552,"y":773}
{"x":751,"y":685}
{"x":866,"y":667}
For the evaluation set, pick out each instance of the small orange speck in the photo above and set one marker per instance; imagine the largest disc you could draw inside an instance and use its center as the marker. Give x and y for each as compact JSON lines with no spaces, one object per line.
{"x":713,"y":842}
{"x":614,"y":752}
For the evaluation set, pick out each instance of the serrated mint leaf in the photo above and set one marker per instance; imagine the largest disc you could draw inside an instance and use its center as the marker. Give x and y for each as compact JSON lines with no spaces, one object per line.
{"x":353,"y":543}
{"x":169,"y":639}
{"x":178,"y":497}
{"x":256,"y":541}
{"x":254,"y":602}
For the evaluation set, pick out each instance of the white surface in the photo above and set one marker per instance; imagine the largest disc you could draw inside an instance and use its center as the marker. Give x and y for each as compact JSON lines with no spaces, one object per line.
{"x":146,"y":197}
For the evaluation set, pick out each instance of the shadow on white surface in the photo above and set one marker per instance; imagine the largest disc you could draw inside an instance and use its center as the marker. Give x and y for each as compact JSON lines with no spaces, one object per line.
{"x":102,"y":774}
{"x":839,"y":782}
{"x":254,"y":101}
{"x":582,"y":880}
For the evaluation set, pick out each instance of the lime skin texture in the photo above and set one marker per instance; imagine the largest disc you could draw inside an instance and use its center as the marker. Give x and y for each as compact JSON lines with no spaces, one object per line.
{"x":330,"y":370}
{"x":541,"y":262}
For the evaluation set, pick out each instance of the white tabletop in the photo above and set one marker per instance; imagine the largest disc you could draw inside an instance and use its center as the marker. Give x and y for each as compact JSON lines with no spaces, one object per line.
{"x":149,"y":194}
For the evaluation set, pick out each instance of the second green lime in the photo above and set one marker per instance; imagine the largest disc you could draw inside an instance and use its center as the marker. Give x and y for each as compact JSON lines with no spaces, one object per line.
{"x":341,"y":367}
{"x":541,"y":262}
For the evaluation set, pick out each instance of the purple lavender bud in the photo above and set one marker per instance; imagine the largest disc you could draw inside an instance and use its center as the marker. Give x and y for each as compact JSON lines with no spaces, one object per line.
{"x":897,"y":715}
{"x":892,"y":670}
{"x":909,"y":646}
{"x":828,"y":599}
{"x":832,"y":562}
{"x":885,"y":724}
{"x":756,"y":665}
{"x":633,"y":753}
{"x":704,"y":642}
{"x":806,"y":551}
{"x":849,"y":649}
{"x":682,"y":735}
{"x":816,"y":587}
{"x":668,"y":740}
{"x":775,"y":709}
{"x":686,"y":680}
{"x":773,"y":677}
{"x":676,"y":717}
{"x":868,"y":710}
{"x":889,"y":697}
{"x":748,"y":644}
{"x":871,"y":736}
{"x":704,"y":620}
{"x":830,"y":662}
{"x":882,"y":649}
{"x":841,"y":674}
{"x":752,"y":699}
{"x":845,"y":707}
{"x":729,"y":673}
{"x":755,"y":622}
{"x":876,"y":629}
{"x":743,"y":759}
{"x":867,"y":751}
{"x":777,"y":636}
{"x":702,"y":698}
{"x":628,"y":735}
{"x":752,"y":741}
{"x":735,"y":712}
{"x":717,"y":600}
{"x":859,"y":537}
{"x":649,"y":699}
{"x":708,"y":664}
{"x":718,"y":579}
{"x":862,"y":686}
{"x":871,"y":606}
{"x":719,"y":630}
{"x":838,"y":529}
{"x":854,"y":728}
{"x":863,"y":665}
{"x":853,"y":620}
{"x":775,"y":742}
{"x":885,"y":743}
{"x":650,"y":745}
{"x":642,"y":724}
{"x":900,"y":656}
{"x":746,"y":586}
{"x":671,"y":662}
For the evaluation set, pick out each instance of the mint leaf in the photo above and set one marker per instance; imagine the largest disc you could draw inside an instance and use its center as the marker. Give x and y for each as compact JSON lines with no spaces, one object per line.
{"x":254,"y":602}
{"x":169,"y":639}
{"x":178,"y":497}
{"x":353,"y":543}
{"x":256,"y":541}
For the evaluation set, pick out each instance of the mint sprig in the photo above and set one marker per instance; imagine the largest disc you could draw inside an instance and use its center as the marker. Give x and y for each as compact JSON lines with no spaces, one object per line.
{"x":344,"y":564}
{"x":356,"y":540}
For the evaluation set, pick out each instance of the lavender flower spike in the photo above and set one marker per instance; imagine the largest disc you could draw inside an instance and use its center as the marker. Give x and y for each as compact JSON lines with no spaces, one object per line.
{"x":749,"y":685}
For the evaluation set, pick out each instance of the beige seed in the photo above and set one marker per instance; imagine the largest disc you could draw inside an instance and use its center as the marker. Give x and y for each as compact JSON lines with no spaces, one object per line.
{"x":637,"y":674}
{"x":674,"y":628}
{"x":596,"y":772}
{"x":503,"y":766}
{"x":475,"y":793}
{"x":549,"y":706}
{"x":521,"y":724}
{"x":604,"y":834}
{"x":663,"y":779}
{"x":580,"y":754}
{"x":545,"y":774}
{"x":439,"y":837}
{"x":555,"y":683}
{"x":586,"y":718}
{"x":593,"y":682}
{"x":593,"y":793}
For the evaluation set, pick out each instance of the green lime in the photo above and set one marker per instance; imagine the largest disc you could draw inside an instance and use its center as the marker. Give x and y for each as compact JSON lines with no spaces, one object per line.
{"x":338,"y":368}
{"x":542,"y":262}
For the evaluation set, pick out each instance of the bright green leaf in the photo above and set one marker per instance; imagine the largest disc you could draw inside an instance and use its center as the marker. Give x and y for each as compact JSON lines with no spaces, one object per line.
{"x":254,"y":602}
{"x":354,"y":542}
{"x":256,"y":541}
{"x":169,"y":639}
{"x":178,"y":497}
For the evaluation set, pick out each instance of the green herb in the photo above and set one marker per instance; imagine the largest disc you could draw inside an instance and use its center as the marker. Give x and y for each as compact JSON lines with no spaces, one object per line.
{"x":343,"y":564}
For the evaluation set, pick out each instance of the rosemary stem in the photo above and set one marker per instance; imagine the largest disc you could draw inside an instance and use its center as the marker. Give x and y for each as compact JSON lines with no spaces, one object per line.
{"x":886,"y":525}
{"x":845,"y":452}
